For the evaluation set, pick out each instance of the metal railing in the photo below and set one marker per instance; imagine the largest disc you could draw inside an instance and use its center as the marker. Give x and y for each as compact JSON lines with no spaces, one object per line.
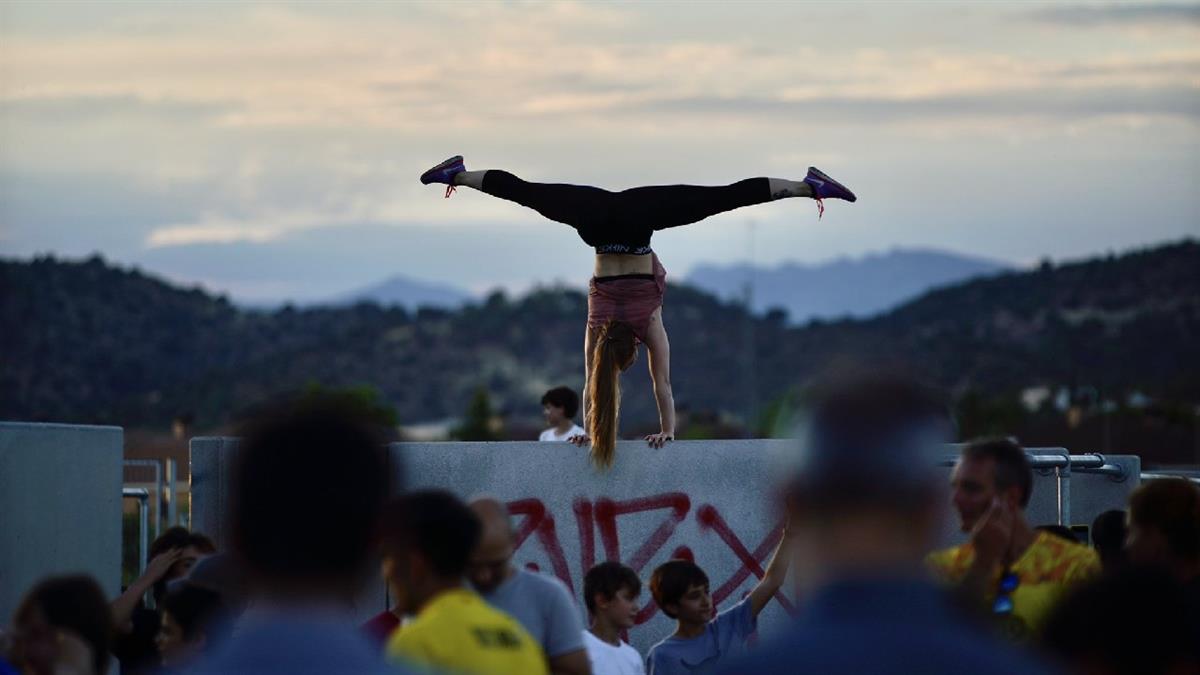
{"x":1154,"y":475}
{"x":1062,"y":465}
{"x":158,"y":488}
{"x":143,"y":497}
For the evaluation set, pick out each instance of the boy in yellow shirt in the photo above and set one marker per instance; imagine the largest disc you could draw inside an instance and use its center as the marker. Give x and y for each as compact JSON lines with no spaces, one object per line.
{"x":427,"y":540}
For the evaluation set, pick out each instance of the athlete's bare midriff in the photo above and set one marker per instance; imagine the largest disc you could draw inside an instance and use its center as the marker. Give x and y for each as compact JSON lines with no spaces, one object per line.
{"x":617,"y":264}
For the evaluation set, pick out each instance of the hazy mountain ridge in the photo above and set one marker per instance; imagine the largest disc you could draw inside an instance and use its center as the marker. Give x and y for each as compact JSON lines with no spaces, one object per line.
{"x":846,"y":287}
{"x":407,"y":292}
{"x":91,"y":343}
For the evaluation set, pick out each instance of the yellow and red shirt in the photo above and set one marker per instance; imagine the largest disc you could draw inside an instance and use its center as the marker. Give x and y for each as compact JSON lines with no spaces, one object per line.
{"x":1046,"y":569}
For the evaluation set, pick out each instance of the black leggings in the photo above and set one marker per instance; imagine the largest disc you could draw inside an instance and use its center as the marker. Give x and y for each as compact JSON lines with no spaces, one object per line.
{"x":592,"y":210}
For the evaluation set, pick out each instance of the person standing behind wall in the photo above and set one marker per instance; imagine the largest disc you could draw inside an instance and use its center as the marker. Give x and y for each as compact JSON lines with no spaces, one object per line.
{"x":314,"y":472}
{"x":540,"y":602}
{"x":866,"y":501}
{"x":559,"y":406}
{"x":1164,"y":529}
{"x":427,"y":540}
{"x":1012,"y":571}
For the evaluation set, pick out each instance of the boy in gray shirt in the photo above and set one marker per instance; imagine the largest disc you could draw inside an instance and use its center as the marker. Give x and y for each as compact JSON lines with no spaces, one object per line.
{"x":701,"y":643}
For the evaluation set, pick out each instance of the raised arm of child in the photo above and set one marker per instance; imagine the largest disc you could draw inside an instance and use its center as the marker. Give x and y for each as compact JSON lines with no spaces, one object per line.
{"x":776,"y":572}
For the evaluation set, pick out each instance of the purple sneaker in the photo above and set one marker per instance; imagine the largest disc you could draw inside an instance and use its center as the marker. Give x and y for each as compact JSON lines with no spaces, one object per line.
{"x":824,"y":187}
{"x":445,"y":173}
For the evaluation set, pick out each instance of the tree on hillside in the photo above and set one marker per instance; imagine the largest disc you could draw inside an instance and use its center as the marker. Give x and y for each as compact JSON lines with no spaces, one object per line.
{"x":477,"y":424}
{"x":364,"y":400}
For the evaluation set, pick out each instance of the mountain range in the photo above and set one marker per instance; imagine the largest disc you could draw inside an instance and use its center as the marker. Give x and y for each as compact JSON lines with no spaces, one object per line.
{"x":90,"y":342}
{"x":845,"y":287}
{"x":402,"y":291}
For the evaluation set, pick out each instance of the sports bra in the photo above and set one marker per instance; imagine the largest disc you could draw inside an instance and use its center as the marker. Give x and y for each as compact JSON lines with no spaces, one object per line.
{"x":617,"y":238}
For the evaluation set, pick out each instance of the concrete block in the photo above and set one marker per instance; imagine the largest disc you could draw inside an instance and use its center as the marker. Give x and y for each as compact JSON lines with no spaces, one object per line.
{"x":60,"y":506}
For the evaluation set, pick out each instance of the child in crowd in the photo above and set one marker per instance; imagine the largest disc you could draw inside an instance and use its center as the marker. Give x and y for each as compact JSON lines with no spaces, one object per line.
{"x":610,"y":591}
{"x":193,"y":619}
{"x":700,"y":642}
{"x":559,"y":406}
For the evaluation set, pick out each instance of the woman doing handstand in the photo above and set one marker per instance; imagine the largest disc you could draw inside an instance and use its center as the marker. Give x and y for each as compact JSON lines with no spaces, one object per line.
{"x":625,"y":294}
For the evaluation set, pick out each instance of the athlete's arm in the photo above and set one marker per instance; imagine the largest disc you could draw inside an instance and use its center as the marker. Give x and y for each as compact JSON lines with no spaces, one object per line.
{"x":583,"y":400}
{"x":658,"y":349}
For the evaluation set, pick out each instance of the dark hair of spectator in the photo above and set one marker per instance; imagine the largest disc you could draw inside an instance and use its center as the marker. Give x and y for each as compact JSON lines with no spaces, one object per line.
{"x":1108,"y":537}
{"x":181,"y":537}
{"x":868,"y":442}
{"x":75,"y":603}
{"x":563,"y":397}
{"x":435,"y":524}
{"x":308,"y":484}
{"x":173,"y":538}
{"x":1061,"y":531}
{"x":1171,"y":506}
{"x":1134,"y":621}
{"x":606,"y":579}
{"x":671,"y":581}
{"x":1012,"y":466}
{"x":196,"y":610}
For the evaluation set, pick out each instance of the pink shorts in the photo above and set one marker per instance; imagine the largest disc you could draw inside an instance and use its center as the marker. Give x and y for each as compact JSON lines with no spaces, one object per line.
{"x":629,"y":298}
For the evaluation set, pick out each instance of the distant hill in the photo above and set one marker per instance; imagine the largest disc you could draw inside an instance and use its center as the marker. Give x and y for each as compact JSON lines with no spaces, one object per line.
{"x":84,"y":341}
{"x":401,"y":291}
{"x":846,"y":287}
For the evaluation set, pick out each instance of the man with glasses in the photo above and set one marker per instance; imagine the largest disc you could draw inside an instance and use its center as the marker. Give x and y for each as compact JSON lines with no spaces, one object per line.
{"x":540,"y":602}
{"x":1016,"y":572}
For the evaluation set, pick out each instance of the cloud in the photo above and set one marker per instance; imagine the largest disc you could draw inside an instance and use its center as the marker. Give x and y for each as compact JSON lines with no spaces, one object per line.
{"x":1121,"y":14}
{"x":72,"y":108}
{"x":180,"y":127}
{"x":1072,"y":104}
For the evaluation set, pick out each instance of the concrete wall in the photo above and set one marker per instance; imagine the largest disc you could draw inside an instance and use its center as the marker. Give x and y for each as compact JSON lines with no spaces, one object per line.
{"x":60,"y":506}
{"x":709,"y":500}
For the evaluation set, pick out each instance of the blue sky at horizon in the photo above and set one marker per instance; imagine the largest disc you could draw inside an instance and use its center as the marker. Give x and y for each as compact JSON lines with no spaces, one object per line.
{"x":270,"y":150}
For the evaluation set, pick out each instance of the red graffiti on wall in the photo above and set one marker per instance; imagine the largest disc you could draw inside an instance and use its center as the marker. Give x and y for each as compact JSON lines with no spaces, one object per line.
{"x":710,"y":518}
{"x":542,"y":522}
{"x":600,"y":516}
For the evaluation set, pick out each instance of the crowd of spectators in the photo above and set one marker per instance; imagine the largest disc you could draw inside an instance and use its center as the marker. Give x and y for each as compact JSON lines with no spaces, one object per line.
{"x":864,"y":506}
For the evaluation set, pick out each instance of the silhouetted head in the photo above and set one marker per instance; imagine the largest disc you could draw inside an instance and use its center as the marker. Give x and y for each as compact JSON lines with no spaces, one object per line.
{"x":68,"y":608}
{"x":428,"y":539}
{"x":866,"y":496}
{"x":1164,"y":525}
{"x":309,"y":481}
{"x":193,"y":619}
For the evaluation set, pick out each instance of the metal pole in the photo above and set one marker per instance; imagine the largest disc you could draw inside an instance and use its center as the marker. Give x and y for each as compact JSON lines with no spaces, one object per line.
{"x":143,"y":533}
{"x":1064,"y":496}
{"x":158,"y":496}
{"x":142,"y":496}
{"x":1155,"y":475}
{"x":171,"y":495}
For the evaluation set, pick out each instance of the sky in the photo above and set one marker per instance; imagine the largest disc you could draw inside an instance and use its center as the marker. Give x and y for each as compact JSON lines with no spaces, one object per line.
{"x":271,"y":150}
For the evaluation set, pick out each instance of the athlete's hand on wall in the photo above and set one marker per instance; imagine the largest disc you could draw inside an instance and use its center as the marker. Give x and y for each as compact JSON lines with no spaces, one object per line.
{"x":580,"y":440}
{"x":659,"y":440}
